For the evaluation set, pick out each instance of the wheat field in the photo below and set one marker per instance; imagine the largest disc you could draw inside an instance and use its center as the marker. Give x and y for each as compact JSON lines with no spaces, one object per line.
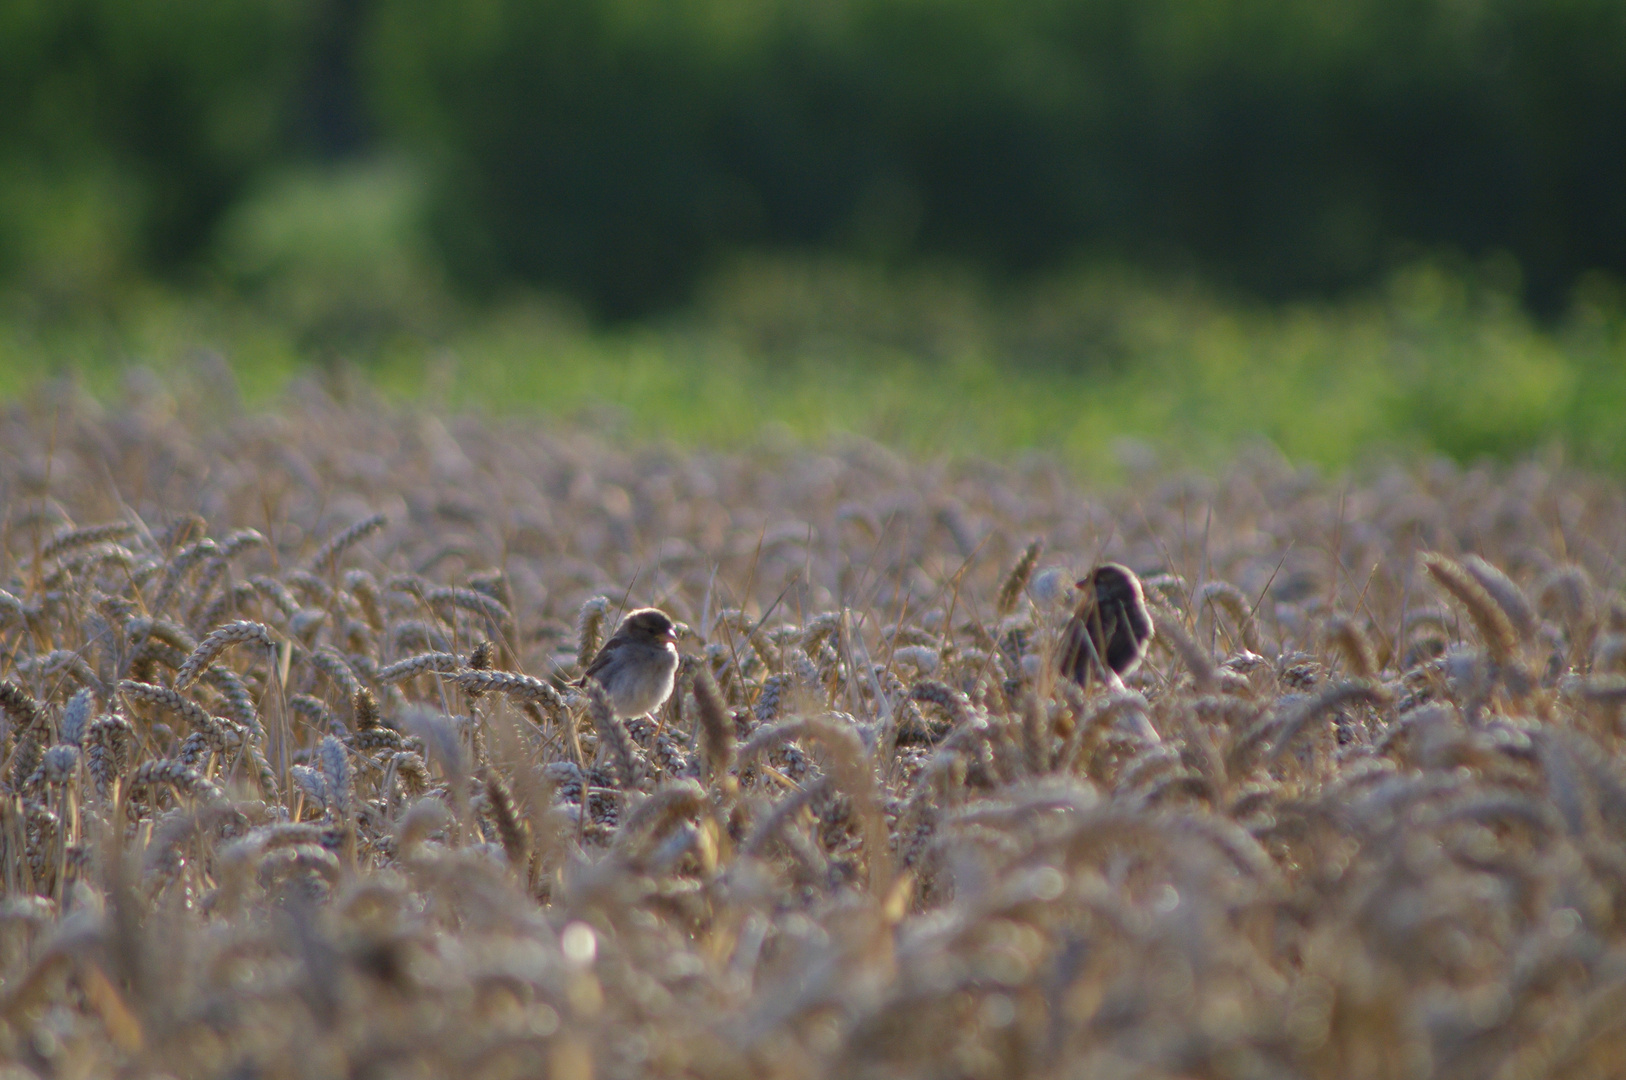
{"x":295,"y":784}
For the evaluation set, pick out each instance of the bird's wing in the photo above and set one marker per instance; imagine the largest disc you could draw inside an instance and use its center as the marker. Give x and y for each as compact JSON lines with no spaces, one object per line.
{"x":600,"y":662}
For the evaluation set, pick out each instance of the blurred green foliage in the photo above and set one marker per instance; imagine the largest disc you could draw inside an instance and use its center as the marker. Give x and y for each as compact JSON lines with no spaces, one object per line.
{"x":1097,"y":366}
{"x":128,"y":129}
{"x":1289,"y":146}
{"x":620,"y":150}
{"x":337,"y":256}
{"x":1324,"y":224}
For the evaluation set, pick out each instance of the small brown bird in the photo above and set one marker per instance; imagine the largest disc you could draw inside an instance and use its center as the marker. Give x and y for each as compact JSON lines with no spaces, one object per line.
{"x":637,"y":665}
{"x":1108,"y":634}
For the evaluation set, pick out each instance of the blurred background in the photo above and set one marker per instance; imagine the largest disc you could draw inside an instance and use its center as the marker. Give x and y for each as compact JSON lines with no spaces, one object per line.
{"x":1111,"y":228}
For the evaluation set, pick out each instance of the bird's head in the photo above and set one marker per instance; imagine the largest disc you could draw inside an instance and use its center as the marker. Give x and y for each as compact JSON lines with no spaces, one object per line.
{"x":650,"y":624}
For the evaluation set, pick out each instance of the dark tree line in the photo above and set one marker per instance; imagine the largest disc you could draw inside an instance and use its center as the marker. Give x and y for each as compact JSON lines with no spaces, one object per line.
{"x":616,"y":148}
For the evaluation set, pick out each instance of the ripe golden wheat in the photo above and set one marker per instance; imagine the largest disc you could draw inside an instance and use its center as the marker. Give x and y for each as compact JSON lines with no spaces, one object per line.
{"x":296,"y":783}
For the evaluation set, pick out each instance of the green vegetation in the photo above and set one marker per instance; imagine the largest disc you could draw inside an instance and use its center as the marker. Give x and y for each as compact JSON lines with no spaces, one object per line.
{"x":1433,"y":361}
{"x":618,"y":149}
{"x":961,"y":227}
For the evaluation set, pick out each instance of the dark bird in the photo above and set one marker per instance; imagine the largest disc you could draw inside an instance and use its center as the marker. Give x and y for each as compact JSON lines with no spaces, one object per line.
{"x":637,"y":665}
{"x":1108,"y":633}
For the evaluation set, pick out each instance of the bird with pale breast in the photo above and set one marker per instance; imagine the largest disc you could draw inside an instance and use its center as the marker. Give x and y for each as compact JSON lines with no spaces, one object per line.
{"x":637,"y":665}
{"x":1108,"y":634}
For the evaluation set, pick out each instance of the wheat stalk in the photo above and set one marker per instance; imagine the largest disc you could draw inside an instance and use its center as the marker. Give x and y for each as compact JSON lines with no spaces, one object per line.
{"x":326,"y":558}
{"x":218,"y":641}
{"x":1493,"y":624}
